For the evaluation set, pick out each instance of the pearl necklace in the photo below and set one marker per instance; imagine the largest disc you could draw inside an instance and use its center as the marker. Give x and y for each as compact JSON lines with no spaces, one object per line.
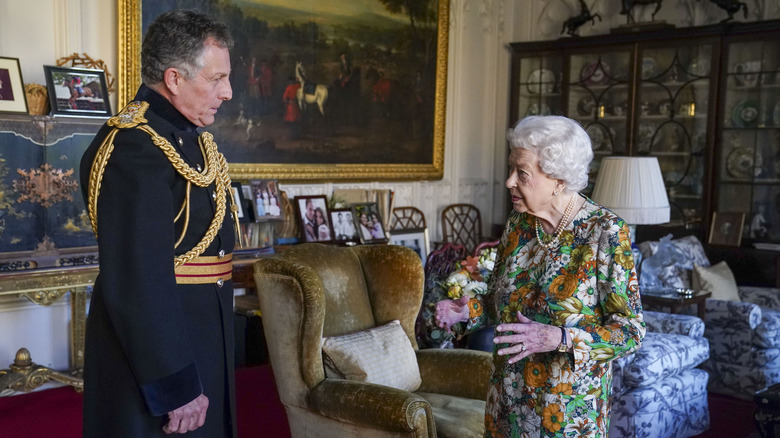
{"x":561,"y":225}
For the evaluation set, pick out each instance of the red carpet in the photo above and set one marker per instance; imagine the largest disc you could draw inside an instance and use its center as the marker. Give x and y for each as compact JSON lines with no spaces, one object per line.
{"x":56,"y":413}
{"x":730,"y":418}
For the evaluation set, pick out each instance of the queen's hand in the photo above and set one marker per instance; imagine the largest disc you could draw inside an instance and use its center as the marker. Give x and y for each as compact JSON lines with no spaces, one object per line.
{"x":451,"y":312}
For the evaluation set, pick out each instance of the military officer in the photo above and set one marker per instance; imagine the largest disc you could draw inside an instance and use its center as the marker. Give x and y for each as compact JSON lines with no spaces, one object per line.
{"x":159,"y":340}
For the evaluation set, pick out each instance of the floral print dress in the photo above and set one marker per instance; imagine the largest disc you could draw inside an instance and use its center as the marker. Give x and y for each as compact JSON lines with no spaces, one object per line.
{"x":586,"y":283}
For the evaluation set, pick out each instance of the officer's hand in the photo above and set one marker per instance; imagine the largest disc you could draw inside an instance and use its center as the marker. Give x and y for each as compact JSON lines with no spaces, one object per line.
{"x":188,"y":417}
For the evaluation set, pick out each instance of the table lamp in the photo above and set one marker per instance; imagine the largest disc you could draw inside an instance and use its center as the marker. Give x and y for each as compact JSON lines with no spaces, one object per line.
{"x":634,"y":189}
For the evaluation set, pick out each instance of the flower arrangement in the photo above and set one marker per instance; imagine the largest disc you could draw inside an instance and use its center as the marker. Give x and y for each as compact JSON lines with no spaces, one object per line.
{"x":469,"y":277}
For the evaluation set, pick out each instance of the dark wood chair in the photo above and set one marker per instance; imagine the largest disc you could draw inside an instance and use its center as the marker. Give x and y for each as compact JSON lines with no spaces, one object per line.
{"x":441,"y":262}
{"x":485,"y":245}
{"x":461,"y":224}
{"x":407,"y":218}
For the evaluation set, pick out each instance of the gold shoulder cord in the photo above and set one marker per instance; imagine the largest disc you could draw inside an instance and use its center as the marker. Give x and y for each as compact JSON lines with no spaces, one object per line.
{"x":215,"y":170}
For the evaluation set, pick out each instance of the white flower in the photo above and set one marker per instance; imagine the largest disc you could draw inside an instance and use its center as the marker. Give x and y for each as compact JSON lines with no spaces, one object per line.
{"x":528,"y":421}
{"x":474,"y":288}
{"x":512,"y":385}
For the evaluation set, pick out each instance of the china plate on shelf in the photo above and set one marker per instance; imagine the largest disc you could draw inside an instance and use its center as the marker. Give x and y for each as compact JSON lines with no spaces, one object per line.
{"x":645,"y":136}
{"x":740,"y":163}
{"x":700,"y":65}
{"x":536,"y":110}
{"x":648,"y":67}
{"x":585,"y":106}
{"x":594,"y":73}
{"x":597,"y":137}
{"x":541,"y":81}
{"x":745,"y":114}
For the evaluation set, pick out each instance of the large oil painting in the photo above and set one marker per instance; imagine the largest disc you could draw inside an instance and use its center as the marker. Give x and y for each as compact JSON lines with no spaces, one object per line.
{"x":323,"y":90}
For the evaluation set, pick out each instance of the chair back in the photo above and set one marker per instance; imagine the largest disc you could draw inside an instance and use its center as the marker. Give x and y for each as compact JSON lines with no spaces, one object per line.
{"x":314,"y":290}
{"x":441,"y":262}
{"x":407,"y":218}
{"x":461,"y":224}
{"x":485,"y":245}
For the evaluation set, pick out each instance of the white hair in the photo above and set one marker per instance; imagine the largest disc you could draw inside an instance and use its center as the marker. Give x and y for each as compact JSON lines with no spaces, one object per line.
{"x":563,"y":147}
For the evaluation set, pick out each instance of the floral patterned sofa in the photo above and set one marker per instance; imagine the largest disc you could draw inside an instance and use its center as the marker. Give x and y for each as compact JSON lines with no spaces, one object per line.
{"x":658,"y":392}
{"x":743,"y":328}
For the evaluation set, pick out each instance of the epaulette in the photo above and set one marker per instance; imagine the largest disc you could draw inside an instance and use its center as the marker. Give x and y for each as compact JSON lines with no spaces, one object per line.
{"x":131,"y":116}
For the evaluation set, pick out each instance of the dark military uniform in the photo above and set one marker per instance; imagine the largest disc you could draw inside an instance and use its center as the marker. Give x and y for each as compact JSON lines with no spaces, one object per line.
{"x":157,"y":336}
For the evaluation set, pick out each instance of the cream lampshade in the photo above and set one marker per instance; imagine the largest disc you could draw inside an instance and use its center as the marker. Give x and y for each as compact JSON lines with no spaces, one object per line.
{"x":634,"y":189}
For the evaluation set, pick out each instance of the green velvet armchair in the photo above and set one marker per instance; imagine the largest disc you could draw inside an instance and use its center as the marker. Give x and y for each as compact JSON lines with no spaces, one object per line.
{"x":312,"y":291}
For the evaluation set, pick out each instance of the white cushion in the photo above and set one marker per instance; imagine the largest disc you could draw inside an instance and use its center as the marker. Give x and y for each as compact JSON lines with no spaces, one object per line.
{"x":717,"y":279}
{"x":382,"y":355}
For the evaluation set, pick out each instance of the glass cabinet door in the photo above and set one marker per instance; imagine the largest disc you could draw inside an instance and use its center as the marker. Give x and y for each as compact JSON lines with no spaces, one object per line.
{"x":539,"y":90}
{"x":749,"y":153}
{"x":598,"y":97}
{"x":672,"y":112}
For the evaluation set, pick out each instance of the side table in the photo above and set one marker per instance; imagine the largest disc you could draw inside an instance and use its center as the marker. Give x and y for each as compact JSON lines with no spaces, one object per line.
{"x":675,"y":301}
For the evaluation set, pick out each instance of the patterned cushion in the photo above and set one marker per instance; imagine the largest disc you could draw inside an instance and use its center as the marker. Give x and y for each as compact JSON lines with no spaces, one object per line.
{"x":678,"y":272}
{"x":663,"y":355}
{"x":717,"y":279}
{"x":382,"y":355}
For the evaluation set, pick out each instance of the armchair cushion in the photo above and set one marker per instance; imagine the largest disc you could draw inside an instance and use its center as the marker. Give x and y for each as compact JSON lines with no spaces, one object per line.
{"x":382,"y":355}
{"x":717,"y":279}
{"x":663,"y":355}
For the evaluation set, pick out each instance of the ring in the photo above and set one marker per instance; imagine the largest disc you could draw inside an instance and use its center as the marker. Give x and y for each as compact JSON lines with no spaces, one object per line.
{"x":522,"y":347}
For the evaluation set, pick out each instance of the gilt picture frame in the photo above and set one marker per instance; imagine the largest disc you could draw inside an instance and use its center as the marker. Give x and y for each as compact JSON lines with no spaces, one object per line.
{"x":390,"y":126}
{"x":12,"y":96}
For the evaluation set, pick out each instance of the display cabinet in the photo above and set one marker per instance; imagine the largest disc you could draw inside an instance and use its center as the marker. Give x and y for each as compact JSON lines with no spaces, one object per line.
{"x":748,"y":140}
{"x":703,"y":100}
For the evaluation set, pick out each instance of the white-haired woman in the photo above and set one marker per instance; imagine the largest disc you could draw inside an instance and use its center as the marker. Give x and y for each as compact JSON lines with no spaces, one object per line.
{"x":563,"y":292}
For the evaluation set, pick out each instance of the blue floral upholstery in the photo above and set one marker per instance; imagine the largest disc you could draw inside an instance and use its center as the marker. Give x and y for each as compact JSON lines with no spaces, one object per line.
{"x":744,"y":335}
{"x":658,"y":392}
{"x":744,"y":341}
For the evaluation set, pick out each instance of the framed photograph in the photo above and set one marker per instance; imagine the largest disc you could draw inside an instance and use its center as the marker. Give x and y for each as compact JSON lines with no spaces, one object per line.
{"x":315,"y":95}
{"x":265,"y":200}
{"x":77,"y":91}
{"x":12,"y":97}
{"x":238,"y":199}
{"x":414,"y":238}
{"x":369,"y":223}
{"x":344,"y":230}
{"x":313,"y":218}
{"x":726,"y":228}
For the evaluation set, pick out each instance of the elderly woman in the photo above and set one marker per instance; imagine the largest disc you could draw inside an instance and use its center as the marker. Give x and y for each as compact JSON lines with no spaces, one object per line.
{"x":563,"y":292}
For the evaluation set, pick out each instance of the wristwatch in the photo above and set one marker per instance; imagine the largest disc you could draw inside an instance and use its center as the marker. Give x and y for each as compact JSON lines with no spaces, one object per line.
{"x":563,"y":347}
